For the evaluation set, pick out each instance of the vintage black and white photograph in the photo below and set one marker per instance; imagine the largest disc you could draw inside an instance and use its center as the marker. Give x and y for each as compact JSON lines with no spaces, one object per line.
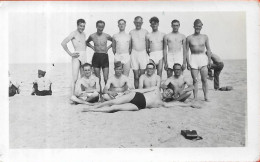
{"x":84,"y":75}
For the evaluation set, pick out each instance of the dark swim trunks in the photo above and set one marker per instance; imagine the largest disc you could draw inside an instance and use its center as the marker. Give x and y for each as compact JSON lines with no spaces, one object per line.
{"x":139,"y":100}
{"x":100,"y":60}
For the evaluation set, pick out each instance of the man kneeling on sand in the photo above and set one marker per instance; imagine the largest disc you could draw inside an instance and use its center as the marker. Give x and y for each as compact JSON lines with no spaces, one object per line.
{"x":135,"y":100}
{"x":117,"y":84}
{"x":174,"y":86}
{"x":42,"y":85}
{"x":87,"y":87}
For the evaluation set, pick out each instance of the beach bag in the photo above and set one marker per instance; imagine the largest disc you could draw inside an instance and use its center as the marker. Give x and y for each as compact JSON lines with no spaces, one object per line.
{"x":191,"y":134}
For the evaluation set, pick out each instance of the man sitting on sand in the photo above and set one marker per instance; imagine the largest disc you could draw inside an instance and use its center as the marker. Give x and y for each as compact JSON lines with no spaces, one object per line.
{"x":87,"y":87}
{"x":42,"y":85}
{"x":176,"y":85}
{"x":135,"y":100}
{"x":149,"y":79}
{"x":13,"y":87}
{"x":117,"y":84}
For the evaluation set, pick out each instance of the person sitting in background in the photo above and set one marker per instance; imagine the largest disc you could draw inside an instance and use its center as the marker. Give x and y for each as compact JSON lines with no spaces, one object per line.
{"x":87,"y":87}
{"x":42,"y":85}
{"x":13,"y":87}
{"x":217,"y":66}
{"x":117,"y":84}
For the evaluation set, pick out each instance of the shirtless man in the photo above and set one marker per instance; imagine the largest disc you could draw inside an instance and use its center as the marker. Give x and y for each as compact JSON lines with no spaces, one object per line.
{"x":79,"y":57}
{"x":121,"y":47}
{"x":139,"y":57}
{"x":176,"y":44}
{"x":100,"y":57}
{"x":199,"y":60}
{"x":149,"y":79}
{"x":176,"y":84}
{"x":154,"y":45}
{"x":87,"y":87}
{"x":136,"y":100}
{"x":117,"y":84}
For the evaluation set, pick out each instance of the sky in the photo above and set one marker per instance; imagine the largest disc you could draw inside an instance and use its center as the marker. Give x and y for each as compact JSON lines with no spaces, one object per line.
{"x":35,"y":37}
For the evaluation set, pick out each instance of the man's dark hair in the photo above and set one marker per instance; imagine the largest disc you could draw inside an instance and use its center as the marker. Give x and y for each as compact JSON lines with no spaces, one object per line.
{"x":154,"y":19}
{"x":174,"y":21}
{"x":118,"y":64}
{"x":86,"y":64}
{"x":80,"y":21}
{"x":138,"y":17}
{"x":100,"y":21}
{"x":121,"y":20}
{"x":151,"y":64}
{"x":176,"y":64}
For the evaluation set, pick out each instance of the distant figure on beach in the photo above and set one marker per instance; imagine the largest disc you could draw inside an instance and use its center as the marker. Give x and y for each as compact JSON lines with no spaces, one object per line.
{"x":174,"y":87}
{"x":136,"y":100}
{"x":14,"y":87}
{"x":139,"y":57}
{"x":117,"y":85}
{"x":217,"y":66}
{"x":79,"y":56}
{"x":42,"y":85}
{"x":154,"y":45}
{"x":100,"y":48}
{"x":121,"y":47}
{"x":174,"y":50}
{"x":149,"y":79}
{"x":87,"y":87}
{"x":199,"y":60}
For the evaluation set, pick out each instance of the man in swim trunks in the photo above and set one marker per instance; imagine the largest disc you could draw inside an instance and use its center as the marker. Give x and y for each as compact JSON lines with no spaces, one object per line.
{"x":121,"y":47}
{"x":149,"y":79}
{"x":139,"y":57}
{"x":175,"y":42}
{"x":117,"y":84}
{"x":154,"y":45}
{"x":177,"y":83}
{"x":100,"y":57}
{"x":136,"y":100}
{"x":87,"y":87}
{"x":42,"y":85}
{"x":79,"y":57}
{"x":217,"y":66}
{"x":199,"y":60}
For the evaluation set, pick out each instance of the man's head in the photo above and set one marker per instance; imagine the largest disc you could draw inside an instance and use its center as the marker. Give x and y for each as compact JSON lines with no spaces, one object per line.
{"x":175,"y":25}
{"x":41,"y":73}
{"x":121,"y":24}
{"x":87,"y":69}
{"x":81,"y":25}
{"x":150,"y":67}
{"x":118,"y":68}
{"x":197,"y":26}
{"x":138,"y":22}
{"x":168,"y":93}
{"x":154,"y":23}
{"x":100,"y":25}
{"x":177,"y":69}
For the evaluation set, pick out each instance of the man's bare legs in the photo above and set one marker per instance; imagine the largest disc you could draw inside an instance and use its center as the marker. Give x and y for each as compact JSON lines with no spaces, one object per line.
{"x":181,"y":104}
{"x":114,"y":108}
{"x":75,"y":73}
{"x":126,"y":68}
{"x":80,"y":101}
{"x":159,"y":68}
{"x":194,"y":74}
{"x":137,"y":74}
{"x":204,"y":75}
{"x":105,"y":74}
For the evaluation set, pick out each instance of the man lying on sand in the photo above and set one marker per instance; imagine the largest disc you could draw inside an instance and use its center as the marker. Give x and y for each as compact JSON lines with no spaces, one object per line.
{"x":176,"y":83}
{"x":87,"y":87}
{"x":136,"y":100}
{"x":117,"y":84}
{"x":42,"y":85}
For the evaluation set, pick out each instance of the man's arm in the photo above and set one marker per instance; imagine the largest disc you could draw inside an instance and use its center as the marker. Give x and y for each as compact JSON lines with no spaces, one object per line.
{"x":114,"y":45}
{"x":187,"y":53}
{"x":147,"y":42}
{"x":65,"y":47}
{"x":165,"y":84}
{"x":158,"y":81}
{"x":165,"y":52}
{"x":111,"y":40}
{"x":145,"y":90}
{"x":130,"y":45}
{"x":189,"y":84}
{"x":184,"y":53}
{"x":88,"y":43}
{"x":208,"y":50}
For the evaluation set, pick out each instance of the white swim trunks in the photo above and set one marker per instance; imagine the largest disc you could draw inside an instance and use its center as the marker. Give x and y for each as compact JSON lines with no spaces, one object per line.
{"x":197,"y":61}
{"x":123,"y":58}
{"x":87,"y":95}
{"x":82,"y":57}
{"x":156,"y":56}
{"x":139,"y":59}
{"x":173,"y":58}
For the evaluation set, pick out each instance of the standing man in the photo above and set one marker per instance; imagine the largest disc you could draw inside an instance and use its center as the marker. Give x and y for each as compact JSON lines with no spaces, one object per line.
{"x":199,"y":60}
{"x":154,"y":45}
{"x":139,"y":57}
{"x":217,"y":66}
{"x":79,"y":57}
{"x":176,"y":44}
{"x":121,"y":46}
{"x":149,"y":79}
{"x":100,"y":57}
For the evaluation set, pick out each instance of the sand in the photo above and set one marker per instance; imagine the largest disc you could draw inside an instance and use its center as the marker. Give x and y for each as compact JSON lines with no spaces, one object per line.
{"x":52,"y":122}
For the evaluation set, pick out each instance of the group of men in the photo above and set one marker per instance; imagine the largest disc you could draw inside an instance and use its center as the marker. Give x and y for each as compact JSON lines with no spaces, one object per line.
{"x":143,"y":52}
